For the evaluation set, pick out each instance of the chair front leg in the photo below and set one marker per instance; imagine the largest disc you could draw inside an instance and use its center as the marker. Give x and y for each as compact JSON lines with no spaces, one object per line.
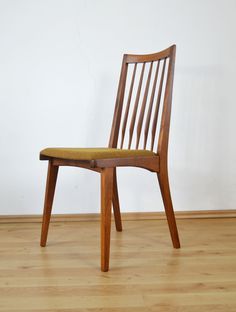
{"x":116,"y":203}
{"x":49,"y":195}
{"x":106,"y":201}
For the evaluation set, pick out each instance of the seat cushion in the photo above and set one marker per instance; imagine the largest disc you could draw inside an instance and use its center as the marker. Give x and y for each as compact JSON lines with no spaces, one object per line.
{"x":93,"y":153}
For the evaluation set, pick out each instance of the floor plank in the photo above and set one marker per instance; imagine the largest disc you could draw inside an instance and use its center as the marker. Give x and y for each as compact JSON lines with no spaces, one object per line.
{"x":146,"y":273}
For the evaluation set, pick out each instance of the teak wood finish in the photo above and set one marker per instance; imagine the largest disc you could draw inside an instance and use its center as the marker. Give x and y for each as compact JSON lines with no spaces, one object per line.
{"x":156,"y":93}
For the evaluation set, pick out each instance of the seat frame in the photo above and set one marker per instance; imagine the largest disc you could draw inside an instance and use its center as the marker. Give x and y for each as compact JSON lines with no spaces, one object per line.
{"x":107,"y":167}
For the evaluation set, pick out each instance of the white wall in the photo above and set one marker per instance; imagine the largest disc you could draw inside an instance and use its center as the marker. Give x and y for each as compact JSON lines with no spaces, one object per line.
{"x":59,"y":68}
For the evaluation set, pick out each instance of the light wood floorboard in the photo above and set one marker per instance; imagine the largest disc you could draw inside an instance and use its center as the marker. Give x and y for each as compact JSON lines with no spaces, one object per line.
{"x":146,"y":273}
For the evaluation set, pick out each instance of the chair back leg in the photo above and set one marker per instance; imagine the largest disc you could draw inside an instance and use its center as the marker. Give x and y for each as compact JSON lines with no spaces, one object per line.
{"x":116,"y":204}
{"x":106,"y":202}
{"x":166,"y":196}
{"x":49,"y":195}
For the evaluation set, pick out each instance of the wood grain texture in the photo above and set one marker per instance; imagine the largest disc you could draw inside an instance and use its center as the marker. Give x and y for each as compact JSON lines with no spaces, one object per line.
{"x":166,"y":196}
{"x":118,"y":105}
{"x":48,"y":201}
{"x":133,"y":58}
{"x":150,"y":106}
{"x":156,"y":163}
{"x":143,"y":107}
{"x":106,"y":202}
{"x":116,"y":203}
{"x":154,"y":124}
{"x":146,"y":274}
{"x":126,"y":216}
{"x":150,"y":163}
{"x":128,"y":106}
{"x":132,"y":123}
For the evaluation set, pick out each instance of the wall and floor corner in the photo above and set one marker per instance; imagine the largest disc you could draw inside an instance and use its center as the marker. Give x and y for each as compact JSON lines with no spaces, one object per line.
{"x":59,"y":69}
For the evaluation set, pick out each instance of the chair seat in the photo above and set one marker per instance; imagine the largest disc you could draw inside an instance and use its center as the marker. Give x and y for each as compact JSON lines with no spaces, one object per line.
{"x":93,"y":153}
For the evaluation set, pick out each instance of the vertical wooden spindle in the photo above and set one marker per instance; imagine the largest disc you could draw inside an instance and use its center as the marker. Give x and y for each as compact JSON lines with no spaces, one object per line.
{"x":128,"y":106}
{"x":142,"y":111}
{"x":154,"y":125}
{"x":150,"y":106}
{"x":131,"y":130}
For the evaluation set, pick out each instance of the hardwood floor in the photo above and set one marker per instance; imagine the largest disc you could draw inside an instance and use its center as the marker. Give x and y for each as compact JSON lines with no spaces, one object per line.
{"x":146,"y":273}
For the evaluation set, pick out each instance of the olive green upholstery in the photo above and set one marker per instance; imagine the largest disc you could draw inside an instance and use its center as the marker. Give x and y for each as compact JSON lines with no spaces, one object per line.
{"x":93,"y":153}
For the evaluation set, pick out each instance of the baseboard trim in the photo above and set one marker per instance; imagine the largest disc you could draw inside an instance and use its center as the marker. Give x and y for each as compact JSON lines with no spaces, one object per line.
{"x":127,"y":216}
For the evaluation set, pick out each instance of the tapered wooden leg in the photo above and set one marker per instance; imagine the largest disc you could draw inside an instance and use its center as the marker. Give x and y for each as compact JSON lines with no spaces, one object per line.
{"x":106,"y":200}
{"x":116,"y":204}
{"x":166,"y":196}
{"x":49,"y":195}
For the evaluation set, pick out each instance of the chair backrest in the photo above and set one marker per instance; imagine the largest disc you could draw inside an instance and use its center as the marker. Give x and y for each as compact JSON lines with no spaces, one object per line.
{"x":145,"y":89}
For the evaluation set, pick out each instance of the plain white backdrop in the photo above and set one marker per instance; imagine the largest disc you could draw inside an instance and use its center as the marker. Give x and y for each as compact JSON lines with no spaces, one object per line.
{"x":59,"y":70}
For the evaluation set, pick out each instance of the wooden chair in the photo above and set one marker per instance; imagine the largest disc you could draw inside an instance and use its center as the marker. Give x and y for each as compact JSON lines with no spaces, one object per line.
{"x":145,"y":79}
